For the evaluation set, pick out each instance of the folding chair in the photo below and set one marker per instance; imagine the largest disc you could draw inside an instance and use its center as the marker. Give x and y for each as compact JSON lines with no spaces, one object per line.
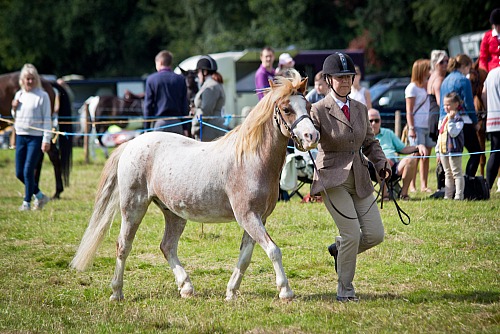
{"x":303,"y":176}
{"x":299,"y":167}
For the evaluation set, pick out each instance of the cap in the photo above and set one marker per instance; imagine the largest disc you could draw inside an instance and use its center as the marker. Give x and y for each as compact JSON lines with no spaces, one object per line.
{"x":285,"y":58}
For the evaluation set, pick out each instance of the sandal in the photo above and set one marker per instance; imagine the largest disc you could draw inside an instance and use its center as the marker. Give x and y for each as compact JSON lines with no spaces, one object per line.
{"x":404,"y":197}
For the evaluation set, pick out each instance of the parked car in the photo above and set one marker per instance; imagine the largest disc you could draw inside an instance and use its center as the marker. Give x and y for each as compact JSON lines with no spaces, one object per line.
{"x":388,"y":95}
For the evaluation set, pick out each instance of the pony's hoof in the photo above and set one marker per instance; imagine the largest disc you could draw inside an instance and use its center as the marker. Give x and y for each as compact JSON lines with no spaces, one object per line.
{"x":116,"y":298}
{"x":187,"y":291}
{"x":231,"y":296}
{"x":287,"y":295}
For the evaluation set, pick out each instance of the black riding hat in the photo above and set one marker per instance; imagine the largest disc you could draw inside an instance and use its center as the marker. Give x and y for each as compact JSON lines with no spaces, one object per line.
{"x":338,"y":64}
{"x":206,"y":63}
{"x":495,"y":16}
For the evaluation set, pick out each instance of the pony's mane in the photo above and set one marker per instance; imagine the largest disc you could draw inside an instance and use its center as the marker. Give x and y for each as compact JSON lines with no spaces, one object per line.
{"x":250,"y":134}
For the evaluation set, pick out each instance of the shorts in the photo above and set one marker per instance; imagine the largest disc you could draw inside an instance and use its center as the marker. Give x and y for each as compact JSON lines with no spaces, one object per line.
{"x":423,"y":138}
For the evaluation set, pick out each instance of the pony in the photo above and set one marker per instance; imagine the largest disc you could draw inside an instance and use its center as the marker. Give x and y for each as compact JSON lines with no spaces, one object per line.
{"x":61,"y":153}
{"x":477,"y":76}
{"x":102,"y":111}
{"x":233,"y":178}
{"x":191,"y":78}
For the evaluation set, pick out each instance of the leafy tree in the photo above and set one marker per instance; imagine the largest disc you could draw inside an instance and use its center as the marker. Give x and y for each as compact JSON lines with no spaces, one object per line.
{"x":121,"y":37}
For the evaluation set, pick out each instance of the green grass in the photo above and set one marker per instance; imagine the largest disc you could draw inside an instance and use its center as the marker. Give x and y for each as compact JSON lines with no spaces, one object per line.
{"x":440,"y":274}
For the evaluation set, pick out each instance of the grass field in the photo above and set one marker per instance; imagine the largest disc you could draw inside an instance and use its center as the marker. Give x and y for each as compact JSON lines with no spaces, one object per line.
{"x":440,"y":274}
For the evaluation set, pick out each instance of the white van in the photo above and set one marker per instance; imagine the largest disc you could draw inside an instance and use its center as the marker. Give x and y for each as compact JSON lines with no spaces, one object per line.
{"x":238,"y":71}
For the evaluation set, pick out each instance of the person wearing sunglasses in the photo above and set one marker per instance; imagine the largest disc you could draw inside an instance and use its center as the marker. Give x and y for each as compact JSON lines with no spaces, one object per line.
{"x":405,"y":168}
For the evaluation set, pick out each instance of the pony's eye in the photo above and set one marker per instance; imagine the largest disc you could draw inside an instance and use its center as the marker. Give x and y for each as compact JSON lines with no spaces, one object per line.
{"x":286,"y":110}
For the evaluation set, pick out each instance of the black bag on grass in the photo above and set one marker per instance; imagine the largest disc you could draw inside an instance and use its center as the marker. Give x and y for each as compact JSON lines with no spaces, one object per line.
{"x":476,"y":188}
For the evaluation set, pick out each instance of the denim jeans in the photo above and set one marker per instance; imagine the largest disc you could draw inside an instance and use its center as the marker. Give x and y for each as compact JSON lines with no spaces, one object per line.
{"x":28,"y":153}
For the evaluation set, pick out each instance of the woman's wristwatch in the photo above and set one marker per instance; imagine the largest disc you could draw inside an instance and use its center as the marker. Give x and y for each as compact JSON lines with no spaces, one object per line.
{"x":411,"y":128}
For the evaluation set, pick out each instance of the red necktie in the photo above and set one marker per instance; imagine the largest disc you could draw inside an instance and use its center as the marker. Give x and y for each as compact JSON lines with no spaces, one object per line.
{"x":345,"y":109}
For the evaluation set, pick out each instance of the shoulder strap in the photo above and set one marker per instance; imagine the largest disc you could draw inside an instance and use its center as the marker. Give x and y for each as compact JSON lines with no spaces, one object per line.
{"x":421,"y":104}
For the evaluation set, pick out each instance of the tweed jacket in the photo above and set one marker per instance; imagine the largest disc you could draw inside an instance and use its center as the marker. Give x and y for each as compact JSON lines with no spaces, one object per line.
{"x":344,"y":145}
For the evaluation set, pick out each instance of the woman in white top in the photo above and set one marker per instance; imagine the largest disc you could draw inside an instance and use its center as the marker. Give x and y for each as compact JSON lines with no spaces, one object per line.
{"x":358,"y":92}
{"x":417,"y":116}
{"x":31,"y":113}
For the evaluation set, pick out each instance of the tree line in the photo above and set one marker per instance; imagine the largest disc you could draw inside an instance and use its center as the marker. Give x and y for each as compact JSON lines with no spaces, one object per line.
{"x":99,"y":38}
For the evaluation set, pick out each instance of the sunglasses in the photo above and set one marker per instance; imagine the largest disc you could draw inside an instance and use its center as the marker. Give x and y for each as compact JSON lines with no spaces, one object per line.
{"x":376,"y":120}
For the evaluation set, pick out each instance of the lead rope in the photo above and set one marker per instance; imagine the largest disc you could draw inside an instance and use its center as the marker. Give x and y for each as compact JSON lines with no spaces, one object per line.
{"x":390,"y":188}
{"x":400,"y":211}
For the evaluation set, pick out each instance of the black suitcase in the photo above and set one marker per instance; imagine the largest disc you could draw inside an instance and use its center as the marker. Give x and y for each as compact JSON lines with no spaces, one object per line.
{"x":476,"y":188}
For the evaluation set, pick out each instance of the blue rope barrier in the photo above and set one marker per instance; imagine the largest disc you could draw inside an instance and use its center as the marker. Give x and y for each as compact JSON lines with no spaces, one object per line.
{"x":200,"y":118}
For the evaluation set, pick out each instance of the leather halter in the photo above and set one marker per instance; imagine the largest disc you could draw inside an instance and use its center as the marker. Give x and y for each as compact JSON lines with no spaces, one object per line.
{"x":277,"y":113}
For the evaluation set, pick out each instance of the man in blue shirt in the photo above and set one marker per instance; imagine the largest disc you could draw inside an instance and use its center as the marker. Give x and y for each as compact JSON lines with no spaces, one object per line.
{"x":405,"y":168}
{"x":166,"y":97}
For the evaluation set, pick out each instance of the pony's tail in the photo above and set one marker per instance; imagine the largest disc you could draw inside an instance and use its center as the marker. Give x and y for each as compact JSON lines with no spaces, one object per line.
{"x":105,"y":207}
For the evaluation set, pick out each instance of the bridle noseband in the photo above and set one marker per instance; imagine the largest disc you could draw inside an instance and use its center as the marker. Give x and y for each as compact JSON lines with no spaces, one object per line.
{"x":293,"y":136}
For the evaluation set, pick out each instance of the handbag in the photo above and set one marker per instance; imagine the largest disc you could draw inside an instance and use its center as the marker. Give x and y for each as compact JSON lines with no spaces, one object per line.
{"x":476,"y":188}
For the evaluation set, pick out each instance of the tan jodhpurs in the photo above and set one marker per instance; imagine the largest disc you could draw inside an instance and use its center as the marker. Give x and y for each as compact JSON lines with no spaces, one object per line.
{"x":356,"y":235}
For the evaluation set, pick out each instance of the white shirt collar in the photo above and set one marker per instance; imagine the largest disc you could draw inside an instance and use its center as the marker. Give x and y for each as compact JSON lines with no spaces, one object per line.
{"x":494,"y":32}
{"x":340,"y":103}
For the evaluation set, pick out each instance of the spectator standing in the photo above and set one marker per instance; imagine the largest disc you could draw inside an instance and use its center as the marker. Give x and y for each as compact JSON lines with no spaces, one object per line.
{"x":439,"y":63}
{"x":456,"y":81}
{"x":450,"y":147}
{"x":166,"y":97}
{"x":417,"y":116}
{"x":265,"y":72}
{"x":358,"y":92}
{"x":32,"y":122}
{"x":320,"y":89}
{"x":489,"y":51}
{"x":342,"y":177}
{"x":405,"y":168}
{"x":209,"y":101}
{"x":491,"y":96}
{"x":285,"y":62}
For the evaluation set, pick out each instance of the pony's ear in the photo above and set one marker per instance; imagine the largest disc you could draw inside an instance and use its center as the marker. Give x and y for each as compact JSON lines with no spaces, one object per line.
{"x":183,"y":71}
{"x":271,"y":84}
{"x":303,"y":86}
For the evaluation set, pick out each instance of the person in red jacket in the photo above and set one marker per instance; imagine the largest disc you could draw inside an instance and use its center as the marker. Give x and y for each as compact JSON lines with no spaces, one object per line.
{"x":489,"y":51}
